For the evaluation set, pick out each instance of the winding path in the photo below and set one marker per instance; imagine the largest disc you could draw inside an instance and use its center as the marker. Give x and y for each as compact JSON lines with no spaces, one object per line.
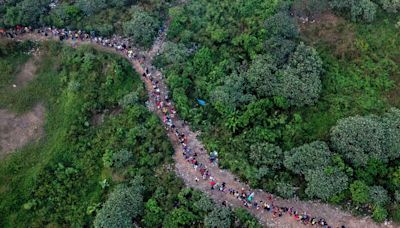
{"x":334,"y":216}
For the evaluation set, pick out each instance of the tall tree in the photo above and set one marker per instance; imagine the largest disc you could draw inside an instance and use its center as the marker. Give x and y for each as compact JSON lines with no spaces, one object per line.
{"x":90,"y":7}
{"x":300,"y":81}
{"x":142,"y":27}
{"x":220,"y":217}
{"x":358,"y":9}
{"x":124,"y":204}
{"x":266,"y":154}
{"x":315,"y":155}
{"x":359,"y":139}
{"x":324,"y":184}
{"x":232,"y":95}
{"x":261,"y":76}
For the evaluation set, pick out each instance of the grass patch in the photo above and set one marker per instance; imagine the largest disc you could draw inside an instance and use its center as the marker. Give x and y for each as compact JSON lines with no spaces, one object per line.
{"x":358,"y":81}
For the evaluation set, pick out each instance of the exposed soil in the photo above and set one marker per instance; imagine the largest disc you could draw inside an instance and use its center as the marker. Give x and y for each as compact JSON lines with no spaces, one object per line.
{"x":16,"y":131}
{"x":28,"y":71}
{"x":331,"y":30}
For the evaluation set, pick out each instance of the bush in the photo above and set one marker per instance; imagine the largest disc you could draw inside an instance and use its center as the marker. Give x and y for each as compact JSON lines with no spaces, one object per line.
{"x":359,"y":139}
{"x":380,"y":214}
{"x":220,"y":217}
{"x":142,"y":28}
{"x":378,"y":196}
{"x":285,"y":190}
{"x":129,"y":100}
{"x":121,"y":157}
{"x":392,"y":6}
{"x":315,"y":155}
{"x":324,"y":184}
{"x":396,"y":214}
{"x":358,"y":9}
{"x":90,"y":7}
{"x":261,"y":76}
{"x":359,"y":192}
{"x":300,"y":80}
{"x":124,"y":204}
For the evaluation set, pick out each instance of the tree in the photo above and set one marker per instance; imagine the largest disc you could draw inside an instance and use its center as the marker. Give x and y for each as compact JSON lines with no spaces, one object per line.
{"x":220,"y":217}
{"x":300,"y":80}
{"x":282,"y":25}
{"x":266,"y":154}
{"x":362,"y":139}
{"x":245,"y":219}
{"x":285,"y":190}
{"x":153,"y":215}
{"x":261,"y":76}
{"x":232,"y":95}
{"x":27,"y":12}
{"x":129,"y":99}
{"x":119,"y":3}
{"x":358,"y":9}
{"x":391,"y":6}
{"x":174,"y":53}
{"x":378,"y":195}
{"x":391,"y":122}
{"x":204,"y":204}
{"x":359,"y":139}
{"x":124,"y":204}
{"x":179,"y":217}
{"x":142,"y":28}
{"x":324,"y":184}
{"x":365,"y":9}
{"x":121,"y":157}
{"x":280,"y":49}
{"x":90,"y":7}
{"x":315,"y":155}
{"x":359,"y":192}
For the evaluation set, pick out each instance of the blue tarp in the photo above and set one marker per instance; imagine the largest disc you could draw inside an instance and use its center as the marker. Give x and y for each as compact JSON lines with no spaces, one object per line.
{"x":201,"y":102}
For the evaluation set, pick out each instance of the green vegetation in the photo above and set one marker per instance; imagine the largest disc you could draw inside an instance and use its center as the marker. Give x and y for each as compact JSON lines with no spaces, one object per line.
{"x":84,"y":172}
{"x":268,"y":91}
{"x":13,"y":55}
{"x":295,"y":107}
{"x":138,"y":19}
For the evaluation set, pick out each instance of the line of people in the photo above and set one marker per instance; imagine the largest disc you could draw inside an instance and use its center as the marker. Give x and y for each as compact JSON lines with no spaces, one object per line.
{"x":164,"y":104}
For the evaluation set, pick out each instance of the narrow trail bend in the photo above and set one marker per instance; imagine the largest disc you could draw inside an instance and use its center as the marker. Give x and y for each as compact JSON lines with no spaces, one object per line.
{"x":334,"y":216}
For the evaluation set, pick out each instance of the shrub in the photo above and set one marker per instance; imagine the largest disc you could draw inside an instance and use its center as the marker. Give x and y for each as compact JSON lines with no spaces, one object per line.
{"x":142,"y":28}
{"x":124,"y":204}
{"x":359,"y":192}
{"x":380,"y":214}
{"x":285,"y":190}
{"x":324,"y":184}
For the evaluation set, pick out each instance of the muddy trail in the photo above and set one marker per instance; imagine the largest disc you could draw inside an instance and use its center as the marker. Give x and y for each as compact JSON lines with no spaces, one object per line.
{"x":143,"y":65}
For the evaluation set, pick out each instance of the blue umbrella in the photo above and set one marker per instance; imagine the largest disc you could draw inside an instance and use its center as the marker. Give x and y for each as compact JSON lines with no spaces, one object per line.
{"x":201,"y":102}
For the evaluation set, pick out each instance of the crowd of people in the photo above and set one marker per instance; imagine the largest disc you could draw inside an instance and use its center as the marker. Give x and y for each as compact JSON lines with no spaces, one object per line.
{"x":164,"y":105}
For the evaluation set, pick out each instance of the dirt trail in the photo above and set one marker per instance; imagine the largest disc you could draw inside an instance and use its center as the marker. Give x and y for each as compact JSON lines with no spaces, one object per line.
{"x":16,"y":131}
{"x":334,"y":216}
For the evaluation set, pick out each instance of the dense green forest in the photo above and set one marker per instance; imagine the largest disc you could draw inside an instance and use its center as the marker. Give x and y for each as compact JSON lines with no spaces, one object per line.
{"x":302,"y":100}
{"x":295,"y":107}
{"x":84,"y":172}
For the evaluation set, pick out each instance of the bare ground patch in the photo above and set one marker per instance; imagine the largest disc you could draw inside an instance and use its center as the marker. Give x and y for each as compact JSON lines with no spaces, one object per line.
{"x":28,"y":71}
{"x":331,"y":30}
{"x":17,"y":131}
